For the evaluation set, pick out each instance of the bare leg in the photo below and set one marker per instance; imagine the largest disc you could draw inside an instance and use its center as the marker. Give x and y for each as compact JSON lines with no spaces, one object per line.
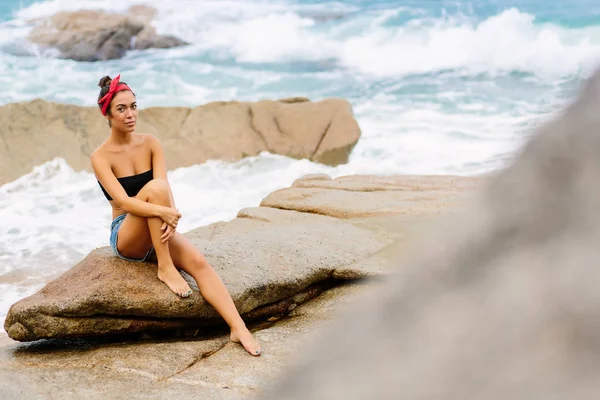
{"x":189,"y":258}
{"x":133,"y":239}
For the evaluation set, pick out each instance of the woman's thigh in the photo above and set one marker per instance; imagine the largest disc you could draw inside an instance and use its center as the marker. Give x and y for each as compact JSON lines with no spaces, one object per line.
{"x":133,"y":238}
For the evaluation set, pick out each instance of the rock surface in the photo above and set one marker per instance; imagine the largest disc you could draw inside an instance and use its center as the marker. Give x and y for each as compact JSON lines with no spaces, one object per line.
{"x":90,"y":35}
{"x":325,"y":131}
{"x":295,"y":249}
{"x":501,"y":305}
{"x":365,"y":196}
{"x":268,"y":258}
{"x":191,"y":368}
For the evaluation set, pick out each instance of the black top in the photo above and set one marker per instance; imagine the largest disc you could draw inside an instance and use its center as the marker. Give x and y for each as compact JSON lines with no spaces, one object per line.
{"x":132,"y":184}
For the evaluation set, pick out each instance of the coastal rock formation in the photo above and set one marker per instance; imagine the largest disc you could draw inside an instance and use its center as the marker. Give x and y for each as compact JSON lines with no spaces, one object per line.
{"x":324,"y":131}
{"x":503,"y":304}
{"x":206,"y":368}
{"x":270,"y":259}
{"x":90,"y":35}
{"x":204,"y":364}
{"x":365,"y":196}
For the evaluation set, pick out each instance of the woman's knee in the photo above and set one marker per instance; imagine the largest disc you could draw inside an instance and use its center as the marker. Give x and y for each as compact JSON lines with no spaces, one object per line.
{"x":156,"y":189}
{"x":200,"y":263}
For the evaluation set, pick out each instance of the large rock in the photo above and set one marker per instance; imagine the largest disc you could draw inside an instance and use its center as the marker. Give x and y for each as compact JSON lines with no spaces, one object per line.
{"x":263,"y":254}
{"x":35,"y":132}
{"x":269,"y":259}
{"x":502,"y":305}
{"x":365,"y":196}
{"x":90,"y":35}
{"x":260,"y":262}
{"x":204,"y":368}
{"x":293,"y":248}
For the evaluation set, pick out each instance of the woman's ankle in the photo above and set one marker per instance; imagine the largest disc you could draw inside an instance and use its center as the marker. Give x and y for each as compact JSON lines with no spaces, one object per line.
{"x":238,"y":327}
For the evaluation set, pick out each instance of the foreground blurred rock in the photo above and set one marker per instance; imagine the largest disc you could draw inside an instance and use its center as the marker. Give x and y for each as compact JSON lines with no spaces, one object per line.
{"x":90,"y":35}
{"x":267,"y":254}
{"x":503,"y":305}
{"x":325,"y":131}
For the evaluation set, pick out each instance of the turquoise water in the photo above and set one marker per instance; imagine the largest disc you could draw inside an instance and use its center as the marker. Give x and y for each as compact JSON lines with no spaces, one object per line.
{"x":457,"y":74}
{"x":250,"y":50}
{"x":438,"y":87}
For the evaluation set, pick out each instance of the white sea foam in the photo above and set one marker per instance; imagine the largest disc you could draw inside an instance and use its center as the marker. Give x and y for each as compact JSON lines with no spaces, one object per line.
{"x":233,"y":41}
{"x":276,"y":31}
{"x":509,"y":41}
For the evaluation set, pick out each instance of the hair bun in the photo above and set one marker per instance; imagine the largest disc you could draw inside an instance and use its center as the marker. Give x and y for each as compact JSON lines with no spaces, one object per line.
{"x":105,"y":81}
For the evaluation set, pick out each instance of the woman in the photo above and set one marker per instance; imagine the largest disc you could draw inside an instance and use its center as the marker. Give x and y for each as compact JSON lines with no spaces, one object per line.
{"x":131,"y":170}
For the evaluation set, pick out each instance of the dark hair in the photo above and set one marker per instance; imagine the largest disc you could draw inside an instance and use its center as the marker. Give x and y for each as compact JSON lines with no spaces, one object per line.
{"x":104,"y":87}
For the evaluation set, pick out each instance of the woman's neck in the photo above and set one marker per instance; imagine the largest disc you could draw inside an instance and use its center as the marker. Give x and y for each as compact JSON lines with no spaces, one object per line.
{"x":119,"y":137}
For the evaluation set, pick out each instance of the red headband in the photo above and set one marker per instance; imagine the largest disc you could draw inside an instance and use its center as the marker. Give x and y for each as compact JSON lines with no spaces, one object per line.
{"x":113,"y":89}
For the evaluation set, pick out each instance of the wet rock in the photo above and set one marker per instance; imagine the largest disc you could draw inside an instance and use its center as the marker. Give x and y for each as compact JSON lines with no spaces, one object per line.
{"x":90,"y":35}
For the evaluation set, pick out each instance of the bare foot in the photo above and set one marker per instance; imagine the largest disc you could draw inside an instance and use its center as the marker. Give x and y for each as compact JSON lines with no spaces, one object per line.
{"x":173,"y":279}
{"x":244,"y":337}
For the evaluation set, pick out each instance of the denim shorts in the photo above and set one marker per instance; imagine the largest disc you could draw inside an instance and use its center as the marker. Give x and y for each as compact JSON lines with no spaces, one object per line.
{"x":114,"y":231}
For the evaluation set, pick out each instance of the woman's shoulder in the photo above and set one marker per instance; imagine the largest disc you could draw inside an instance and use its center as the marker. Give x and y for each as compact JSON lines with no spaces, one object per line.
{"x":98,"y":157}
{"x":144,"y":136}
{"x":147,"y":138}
{"x":98,"y":152}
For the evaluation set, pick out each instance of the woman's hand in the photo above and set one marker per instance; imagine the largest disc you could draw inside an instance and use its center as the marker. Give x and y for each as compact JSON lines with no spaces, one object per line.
{"x":169,"y":232}
{"x":170,"y":216}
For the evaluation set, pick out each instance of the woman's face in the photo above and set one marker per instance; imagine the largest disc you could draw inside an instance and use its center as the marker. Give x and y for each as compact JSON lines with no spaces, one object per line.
{"x":123,"y":109}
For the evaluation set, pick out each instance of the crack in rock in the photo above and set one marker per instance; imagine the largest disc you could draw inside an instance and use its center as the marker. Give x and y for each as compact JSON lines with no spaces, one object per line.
{"x":302,"y":210}
{"x":258,"y":132}
{"x":184,"y":119}
{"x":91,"y":366}
{"x":312,"y":157}
{"x":202,"y":356}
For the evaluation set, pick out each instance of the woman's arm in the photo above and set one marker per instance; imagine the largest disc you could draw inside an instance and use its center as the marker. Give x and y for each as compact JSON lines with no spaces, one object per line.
{"x":104,"y":174}
{"x":159,"y":165}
